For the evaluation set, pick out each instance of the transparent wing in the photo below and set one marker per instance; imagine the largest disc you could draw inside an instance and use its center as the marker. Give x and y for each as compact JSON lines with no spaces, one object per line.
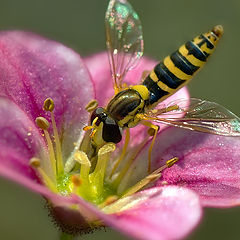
{"x":124,"y":39}
{"x":198,"y":115}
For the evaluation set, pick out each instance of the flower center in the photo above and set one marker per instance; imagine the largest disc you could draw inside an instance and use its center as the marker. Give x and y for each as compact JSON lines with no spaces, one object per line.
{"x":87,"y":174}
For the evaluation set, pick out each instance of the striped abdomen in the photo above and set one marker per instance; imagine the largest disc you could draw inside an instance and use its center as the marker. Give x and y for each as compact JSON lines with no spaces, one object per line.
{"x":176,"y":70}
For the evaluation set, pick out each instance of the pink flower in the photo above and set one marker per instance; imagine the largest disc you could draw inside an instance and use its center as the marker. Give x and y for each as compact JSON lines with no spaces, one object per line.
{"x":33,"y":69}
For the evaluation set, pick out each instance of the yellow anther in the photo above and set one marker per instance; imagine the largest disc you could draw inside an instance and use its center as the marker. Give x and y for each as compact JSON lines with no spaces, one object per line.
{"x":42,"y":123}
{"x":172,"y":161}
{"x":76,"y":180}
{"x":34,"y":162}
{"x":152,"y":130}
{"x":48,"y":105}
{"x":92,"y":105}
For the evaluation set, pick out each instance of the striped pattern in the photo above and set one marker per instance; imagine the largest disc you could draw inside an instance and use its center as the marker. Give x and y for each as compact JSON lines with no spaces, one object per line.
{"x":124,"y":107}
{"x":176,"y":70}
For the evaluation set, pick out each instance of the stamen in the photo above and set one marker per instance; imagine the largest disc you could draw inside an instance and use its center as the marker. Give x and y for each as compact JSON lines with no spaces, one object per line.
{"x":108,"y":201}
{"x":124,"y":150}
{"x":92,"y":105}
{"x":152,"y":131}
{"x":150,"y":178}
{"x":36,"y":163}
{"x":142,"y":183}
{"x":98,"y":174}
{"x":129,"y":162}
{"x":172,"y":161}
{"x":44,"y":124}
{"x":49,"y":106}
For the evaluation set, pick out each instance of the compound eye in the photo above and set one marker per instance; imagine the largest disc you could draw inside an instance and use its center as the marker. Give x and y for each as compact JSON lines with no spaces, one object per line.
{"x":111,"y":131}
{"x":100,"y":113}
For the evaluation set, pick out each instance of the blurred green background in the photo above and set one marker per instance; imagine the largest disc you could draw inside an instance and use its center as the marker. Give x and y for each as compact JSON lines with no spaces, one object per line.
{"x":166,"y":24}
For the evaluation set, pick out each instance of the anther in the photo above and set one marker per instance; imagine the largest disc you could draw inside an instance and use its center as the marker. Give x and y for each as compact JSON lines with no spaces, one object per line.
{"x":76,"y":181}
{"x":92,"y":105}
{"x":48,"y":105}
{"x":172,"y":161}
{"x":152,"y":131}
{"x":42,"y":123}
{"x":35,"y":162}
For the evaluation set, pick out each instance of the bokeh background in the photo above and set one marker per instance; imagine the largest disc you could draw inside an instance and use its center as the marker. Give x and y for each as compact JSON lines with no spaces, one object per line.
{"x":167,"y":24}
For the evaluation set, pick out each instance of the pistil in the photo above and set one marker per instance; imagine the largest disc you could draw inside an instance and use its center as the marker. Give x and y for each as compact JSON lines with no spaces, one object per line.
{"x":85,"y":173}
{"x":150,"y":178}
{"x":97,"y":177}
{"x":82,"y":159}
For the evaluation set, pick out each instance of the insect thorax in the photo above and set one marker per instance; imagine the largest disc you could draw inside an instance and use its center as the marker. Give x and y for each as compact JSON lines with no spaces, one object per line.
{"x":124,"y":107}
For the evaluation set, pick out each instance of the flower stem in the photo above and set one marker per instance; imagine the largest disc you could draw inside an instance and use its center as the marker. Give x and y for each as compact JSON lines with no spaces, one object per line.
{"x":65,"y":236}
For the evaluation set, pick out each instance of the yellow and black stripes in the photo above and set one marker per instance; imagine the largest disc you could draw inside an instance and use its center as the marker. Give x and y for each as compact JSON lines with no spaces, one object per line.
{"x":177,"y":70}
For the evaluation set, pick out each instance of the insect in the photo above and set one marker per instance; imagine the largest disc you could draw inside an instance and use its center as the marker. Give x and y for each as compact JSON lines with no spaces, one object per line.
{"x":133,"y":105}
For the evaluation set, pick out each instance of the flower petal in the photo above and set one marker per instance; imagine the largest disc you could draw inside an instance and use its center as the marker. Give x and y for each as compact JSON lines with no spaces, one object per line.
{"x":157,"y":213}
{"x":19,"y":140}
{"x":208,"y":164}
{"x":33,"y":68}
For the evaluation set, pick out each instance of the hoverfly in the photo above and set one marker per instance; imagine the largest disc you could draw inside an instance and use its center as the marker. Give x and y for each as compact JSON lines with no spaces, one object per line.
{"x":132,"y":105}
